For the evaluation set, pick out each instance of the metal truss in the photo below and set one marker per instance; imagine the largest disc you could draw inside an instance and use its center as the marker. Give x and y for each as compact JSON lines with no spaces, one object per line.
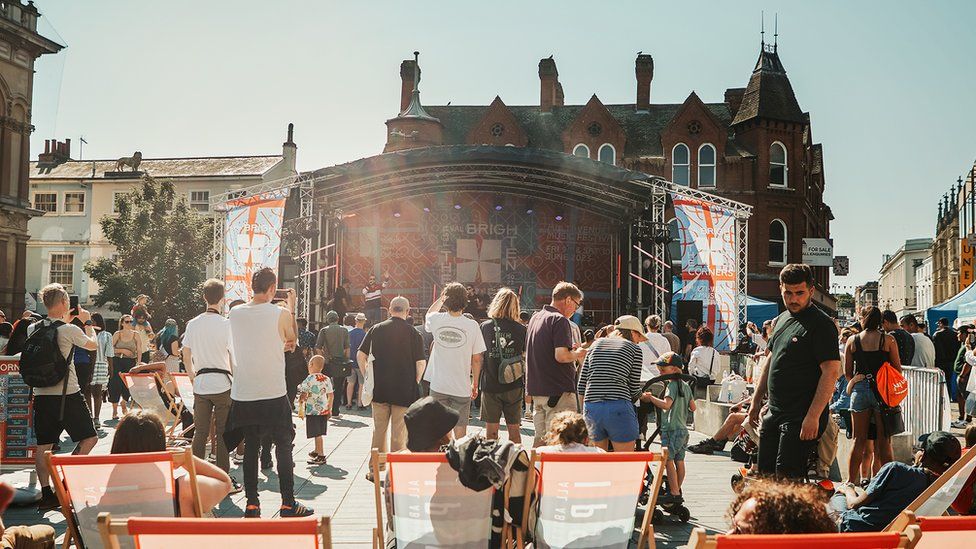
{"x":741,"y":270}
{"x":306,"y":195}
{"x":662,"y":276}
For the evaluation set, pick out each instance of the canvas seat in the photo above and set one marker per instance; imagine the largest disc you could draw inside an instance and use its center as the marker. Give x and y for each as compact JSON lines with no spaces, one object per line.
{"x":145,"y":391}
{"x":871,"y":540}
{"x":957,"y":532}
{"x":197,"y":533}
{"x":937,"y":498}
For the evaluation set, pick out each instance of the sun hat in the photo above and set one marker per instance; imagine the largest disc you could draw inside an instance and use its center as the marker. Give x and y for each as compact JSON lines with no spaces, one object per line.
{"x":427,"y":421}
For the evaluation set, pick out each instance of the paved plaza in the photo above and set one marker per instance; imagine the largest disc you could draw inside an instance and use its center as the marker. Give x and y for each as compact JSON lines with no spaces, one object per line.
{"x":341,"y":490}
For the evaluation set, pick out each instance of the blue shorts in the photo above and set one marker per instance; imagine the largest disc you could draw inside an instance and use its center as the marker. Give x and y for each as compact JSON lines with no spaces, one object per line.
{"x":613,"y":419}
{"x":676,"y":441}
{"x":862,"y":397}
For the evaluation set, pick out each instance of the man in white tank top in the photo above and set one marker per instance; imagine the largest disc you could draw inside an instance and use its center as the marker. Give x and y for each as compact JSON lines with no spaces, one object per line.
{"x":262,"y":332}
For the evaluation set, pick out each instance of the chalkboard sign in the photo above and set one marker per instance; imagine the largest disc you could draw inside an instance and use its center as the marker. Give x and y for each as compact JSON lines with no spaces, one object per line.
{"x":17,"y":442}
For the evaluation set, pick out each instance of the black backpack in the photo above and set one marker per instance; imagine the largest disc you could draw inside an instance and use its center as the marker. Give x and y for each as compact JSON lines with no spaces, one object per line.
{"x":41,"y":361}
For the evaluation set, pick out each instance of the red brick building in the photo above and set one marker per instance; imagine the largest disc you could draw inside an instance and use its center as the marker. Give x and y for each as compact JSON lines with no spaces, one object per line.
{"x":755,"y":147}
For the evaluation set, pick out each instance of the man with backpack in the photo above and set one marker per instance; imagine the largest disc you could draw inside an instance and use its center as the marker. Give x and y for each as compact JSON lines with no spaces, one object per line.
{"x":47,"y":365}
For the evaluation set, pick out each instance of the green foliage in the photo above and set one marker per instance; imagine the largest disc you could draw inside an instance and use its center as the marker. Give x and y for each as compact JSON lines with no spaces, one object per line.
{"x":162,"y":247}
{"x":844,"y":301}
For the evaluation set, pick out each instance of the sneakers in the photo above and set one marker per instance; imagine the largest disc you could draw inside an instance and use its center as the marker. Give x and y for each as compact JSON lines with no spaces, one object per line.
{"x":317,"y":460}
{"x":252,"y":511}
{"x":960,"y":423}
{"x":706,"y":447}
{"x":49,"y":500}
{"x":296,"y":509}
{"x":235,"y":487}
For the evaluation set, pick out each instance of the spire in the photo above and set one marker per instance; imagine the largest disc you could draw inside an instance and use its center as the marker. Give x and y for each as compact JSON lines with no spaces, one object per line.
{"x":415,"y":109}
{"x":769,"y":94}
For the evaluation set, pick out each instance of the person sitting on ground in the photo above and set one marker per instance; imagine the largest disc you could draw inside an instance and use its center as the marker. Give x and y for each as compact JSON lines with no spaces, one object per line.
{"x":675,"y":405}
{"x":728,"y":431}
{"x":567,"y":433}
{"x":142,"y":431}
{"x":769,"y":507}
{"x":38,"y":536}
{"x":895,"y":486}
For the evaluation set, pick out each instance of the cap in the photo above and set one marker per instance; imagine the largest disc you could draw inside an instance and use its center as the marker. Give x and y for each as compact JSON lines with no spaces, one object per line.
{"x":360,"y":317}
{"x":670,"y":358}
{"x":630,"y":322}
{"x":942,"y":448}
{"x":427,"y":422}
{"x":399,"y":304}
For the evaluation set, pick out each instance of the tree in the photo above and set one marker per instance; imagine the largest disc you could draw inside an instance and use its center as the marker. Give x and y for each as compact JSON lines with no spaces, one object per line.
{"x":161,"y":247}
{"x":844,"y":301}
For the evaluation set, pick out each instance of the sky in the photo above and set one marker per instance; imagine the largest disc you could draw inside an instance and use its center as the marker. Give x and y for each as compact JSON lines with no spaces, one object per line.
{"x":889,"y":84}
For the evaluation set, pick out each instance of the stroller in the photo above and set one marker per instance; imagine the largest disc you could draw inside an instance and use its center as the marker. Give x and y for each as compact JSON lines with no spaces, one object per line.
{"x":677,"y":510}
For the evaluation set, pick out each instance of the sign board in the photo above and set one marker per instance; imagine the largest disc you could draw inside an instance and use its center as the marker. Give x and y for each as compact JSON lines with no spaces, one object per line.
{"x":842,"y":265}
{"x":17,"y":442}
{"x":965,"y":264}
{"x":818,"y":252}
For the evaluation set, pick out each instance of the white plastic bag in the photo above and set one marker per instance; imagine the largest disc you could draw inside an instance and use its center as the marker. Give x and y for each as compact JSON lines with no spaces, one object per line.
{"x":733,"y":389}
{"x":367,"y":398}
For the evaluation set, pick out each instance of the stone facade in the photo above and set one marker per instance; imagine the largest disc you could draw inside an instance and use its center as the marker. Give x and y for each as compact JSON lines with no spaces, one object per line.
{"x":897,"y":277}
{"x":20,"y":45}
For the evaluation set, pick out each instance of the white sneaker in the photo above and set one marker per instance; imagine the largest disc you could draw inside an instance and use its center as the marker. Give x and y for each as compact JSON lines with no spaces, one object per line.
{"x":960,"y":423}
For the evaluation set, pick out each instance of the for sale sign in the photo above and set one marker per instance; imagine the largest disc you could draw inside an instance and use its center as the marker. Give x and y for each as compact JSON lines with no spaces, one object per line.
{"x":818,"y":252}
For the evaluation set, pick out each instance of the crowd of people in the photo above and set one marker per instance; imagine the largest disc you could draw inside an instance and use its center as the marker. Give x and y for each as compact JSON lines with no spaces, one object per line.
{"x":256,"y":366}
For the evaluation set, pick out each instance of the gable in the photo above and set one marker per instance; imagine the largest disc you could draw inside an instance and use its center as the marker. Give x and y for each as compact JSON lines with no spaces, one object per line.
{"x":594,"y":126}
{"x":498,"y":126}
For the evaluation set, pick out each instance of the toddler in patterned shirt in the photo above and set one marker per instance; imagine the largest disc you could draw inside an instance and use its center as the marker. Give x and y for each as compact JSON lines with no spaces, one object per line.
{"x":315,"y":405}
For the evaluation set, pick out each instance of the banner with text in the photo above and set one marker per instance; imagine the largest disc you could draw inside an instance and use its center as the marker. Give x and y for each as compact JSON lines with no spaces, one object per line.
{"x":708,"y":263}
{"x":252,"y":240}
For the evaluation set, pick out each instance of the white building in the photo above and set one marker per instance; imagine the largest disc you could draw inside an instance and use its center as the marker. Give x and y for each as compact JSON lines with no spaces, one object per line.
{"x":923,"y":284}
{"x":896,"y":283}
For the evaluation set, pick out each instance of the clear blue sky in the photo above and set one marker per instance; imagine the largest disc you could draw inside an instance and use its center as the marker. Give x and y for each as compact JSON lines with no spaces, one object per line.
{"x":890,"y":85}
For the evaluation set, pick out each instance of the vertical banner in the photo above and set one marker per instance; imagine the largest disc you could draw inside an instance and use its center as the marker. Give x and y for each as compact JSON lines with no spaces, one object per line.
{"x":708,"y":263}
{"x":252,"y":240}
{"x":965,"y":264}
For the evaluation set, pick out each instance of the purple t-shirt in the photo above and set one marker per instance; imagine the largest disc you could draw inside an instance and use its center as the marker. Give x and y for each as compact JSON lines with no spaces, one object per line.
{"x":548,"y":329}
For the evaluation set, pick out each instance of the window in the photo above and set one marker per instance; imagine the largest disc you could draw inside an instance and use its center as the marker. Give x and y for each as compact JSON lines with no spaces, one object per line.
{"x":46,"y":202}
{"x":680,"y":160}
{"x":63,"y":270}
{"x":608,"y":154}
{"x":200,"y":201}
{"x":674,"y":246}
{"x":706,"y":165}
{"x":581,"y":150}
{"x":74,"y":202}
{"x":778,"y":171}
{"x":116,"y":197}
{"x":777,"y":242}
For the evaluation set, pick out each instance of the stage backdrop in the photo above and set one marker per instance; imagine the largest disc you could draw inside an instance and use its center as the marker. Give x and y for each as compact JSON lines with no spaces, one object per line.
{"x":252,"y":240}
{"x":708,"y":259}
{"x":481,"y":245}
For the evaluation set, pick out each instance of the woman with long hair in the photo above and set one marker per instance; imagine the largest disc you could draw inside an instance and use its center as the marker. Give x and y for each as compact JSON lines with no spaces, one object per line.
{"x":169,"y":341}
{"x":103,"y":355}
{"x":705,"y":362}
{"x":863,"y":356}
{"x":128,"y":348}
{"x":503,"y":377}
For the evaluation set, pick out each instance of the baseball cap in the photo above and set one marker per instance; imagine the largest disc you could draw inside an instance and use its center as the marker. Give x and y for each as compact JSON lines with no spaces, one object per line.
{"x":360,"y":317}
{"x":630,"y":322}
{"x":399,"y":304}
{"x":670,"y":358}
{"x":942,"y":448}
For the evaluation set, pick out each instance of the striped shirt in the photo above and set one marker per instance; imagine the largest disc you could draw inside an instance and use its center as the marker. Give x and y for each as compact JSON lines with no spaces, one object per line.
{"x":611,"y":371}
{"x":373,"y":293}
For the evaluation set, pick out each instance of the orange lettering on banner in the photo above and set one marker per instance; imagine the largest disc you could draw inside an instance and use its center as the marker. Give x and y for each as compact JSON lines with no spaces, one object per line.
{"x":965,"y":265}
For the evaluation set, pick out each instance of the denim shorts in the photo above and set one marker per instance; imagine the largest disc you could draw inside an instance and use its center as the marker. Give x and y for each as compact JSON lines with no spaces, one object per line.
{"x":676,"y":441}
{"x":613,"y":419}
{"x":862,"y":397}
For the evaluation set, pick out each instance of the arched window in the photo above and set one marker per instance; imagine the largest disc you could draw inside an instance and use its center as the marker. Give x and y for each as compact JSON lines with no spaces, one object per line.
{"x":581,"y":150}
{"x":674,"y":247}
{"x":777,"y":242}
{"x":608,"y":154}
{"x":778,"y":170}
{"x":680,"y":168}
{"x":706,"y":165}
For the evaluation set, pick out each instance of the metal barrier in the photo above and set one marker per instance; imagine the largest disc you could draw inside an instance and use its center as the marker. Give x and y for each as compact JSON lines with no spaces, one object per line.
{"x":926,"y":408}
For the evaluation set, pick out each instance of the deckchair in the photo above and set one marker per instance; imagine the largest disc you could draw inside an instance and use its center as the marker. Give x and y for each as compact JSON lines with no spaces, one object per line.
{"x":937,"y":498}
{"x":589,"y":499}
{"x":871,"y":540}
{"x":944,"y":532}
{"x":431,"y":508}
{"x":184,"y":388}
{"x":141,"y":484}
{"x":144,"y":389}
{"x":193,"y":533}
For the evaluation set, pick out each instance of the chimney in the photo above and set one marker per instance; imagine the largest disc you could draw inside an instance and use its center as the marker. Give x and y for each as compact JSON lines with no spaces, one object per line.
{"x":733,"y":96}
{"x":550,"y":90}
{"x":55,"y":152}
{"x":406,"y":82}
{"x":644,"y":68}
{"x":560,"y":97}
{"x":289,"y":150}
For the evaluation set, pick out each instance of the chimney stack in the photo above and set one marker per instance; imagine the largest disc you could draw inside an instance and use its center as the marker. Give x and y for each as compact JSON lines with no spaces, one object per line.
{"x":550,"y":89}
{"x":289,"y":150}
{"x":406,"y":81}
{"x":644,"y":68}
{"x":55,"y":152}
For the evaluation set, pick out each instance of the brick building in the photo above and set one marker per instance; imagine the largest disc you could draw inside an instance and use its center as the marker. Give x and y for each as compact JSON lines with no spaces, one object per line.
{"x":755,"y":147}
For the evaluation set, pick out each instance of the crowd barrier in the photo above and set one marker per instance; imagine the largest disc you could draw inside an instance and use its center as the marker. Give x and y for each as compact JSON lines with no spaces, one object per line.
{"x":926,"y":408}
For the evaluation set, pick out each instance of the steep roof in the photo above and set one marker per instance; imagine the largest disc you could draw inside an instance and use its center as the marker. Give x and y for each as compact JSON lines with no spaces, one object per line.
{"x":214,"y":166}
{"x":545,"y":130}
{"x":769,"y":94}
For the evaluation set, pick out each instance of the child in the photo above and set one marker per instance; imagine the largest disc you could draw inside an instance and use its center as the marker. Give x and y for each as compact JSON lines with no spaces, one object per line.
{"x":677,"y":402}
{"x":315,"y":405}
{"x":567,"y":433}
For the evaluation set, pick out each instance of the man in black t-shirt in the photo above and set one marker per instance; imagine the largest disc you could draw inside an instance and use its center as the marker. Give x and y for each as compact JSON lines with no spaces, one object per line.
{"x":906,"y":344}
{"x":505,"y":339}
{"x":802,"y":365}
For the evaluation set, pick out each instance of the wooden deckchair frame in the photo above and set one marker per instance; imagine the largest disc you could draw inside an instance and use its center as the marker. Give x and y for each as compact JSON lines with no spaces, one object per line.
{"x":899,"y":523}
{"x":111,"y":529}
{"x":181,"y":457}
{"x":647,"y":529}
{"x":377,"y":459}
{"x":175,"y":407}
{"x":701,"y":540}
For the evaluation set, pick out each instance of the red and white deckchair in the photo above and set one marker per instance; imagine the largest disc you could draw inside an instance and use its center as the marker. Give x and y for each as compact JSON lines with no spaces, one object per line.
{"x":126,"y":485}
{"x":144,"y":389}
{"x":194,"y":533}
{"x":590,"y":499}
{"x":872,"y":540}
{"x":431,"y":508}
{"x":957,"y":532}
{"x":937,"y":498}
{"x":184,"y":388}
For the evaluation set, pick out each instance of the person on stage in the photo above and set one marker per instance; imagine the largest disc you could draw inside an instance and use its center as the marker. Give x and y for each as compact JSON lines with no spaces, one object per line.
{"x":373,"y":296}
